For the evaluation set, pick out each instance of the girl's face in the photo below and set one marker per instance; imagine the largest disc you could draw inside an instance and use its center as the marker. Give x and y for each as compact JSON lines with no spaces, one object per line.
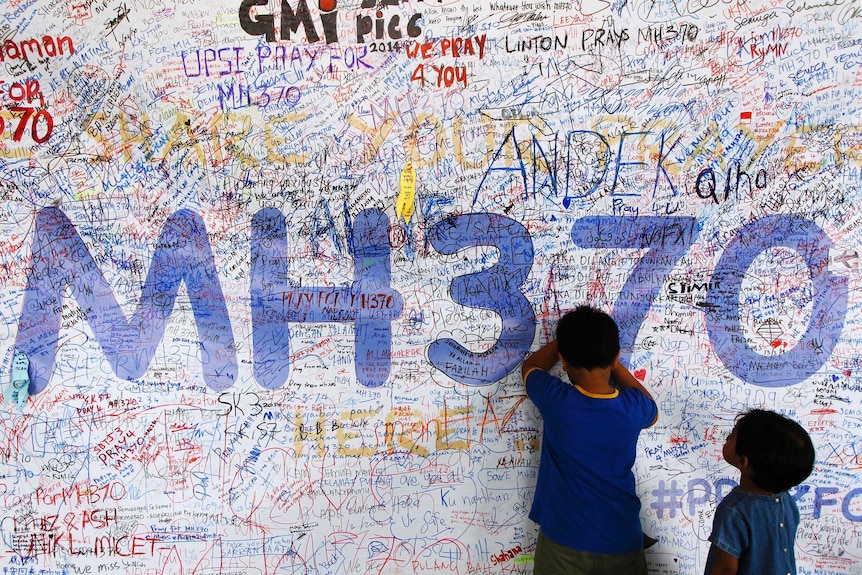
{"x":729,"y":449}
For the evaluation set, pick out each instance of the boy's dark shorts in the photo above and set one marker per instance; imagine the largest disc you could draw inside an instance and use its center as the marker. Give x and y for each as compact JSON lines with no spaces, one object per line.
{"x":551,"y":558}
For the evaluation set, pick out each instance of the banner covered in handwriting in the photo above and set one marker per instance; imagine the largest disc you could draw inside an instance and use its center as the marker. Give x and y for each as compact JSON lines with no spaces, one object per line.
{"x":268,"y":270}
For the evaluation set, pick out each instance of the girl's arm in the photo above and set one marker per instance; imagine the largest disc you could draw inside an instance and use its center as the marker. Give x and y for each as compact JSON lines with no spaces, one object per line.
{"x":725,"y":563}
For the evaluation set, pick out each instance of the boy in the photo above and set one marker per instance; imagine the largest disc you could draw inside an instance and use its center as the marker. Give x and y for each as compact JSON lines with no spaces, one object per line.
{"x":585,"y":502}
{"x":754,"y":528}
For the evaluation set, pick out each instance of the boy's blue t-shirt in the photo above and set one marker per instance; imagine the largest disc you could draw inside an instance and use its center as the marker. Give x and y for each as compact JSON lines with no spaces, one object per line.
{"x":759,"y":530}
{"x":586,"y":496}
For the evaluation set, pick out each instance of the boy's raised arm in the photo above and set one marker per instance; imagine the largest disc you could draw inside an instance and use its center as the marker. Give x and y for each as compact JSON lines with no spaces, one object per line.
{"x":624,"y":378}
{"x":543,"y":358}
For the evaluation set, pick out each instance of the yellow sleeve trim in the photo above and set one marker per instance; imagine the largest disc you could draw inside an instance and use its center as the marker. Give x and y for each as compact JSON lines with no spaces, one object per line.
{"x":531,"y":370}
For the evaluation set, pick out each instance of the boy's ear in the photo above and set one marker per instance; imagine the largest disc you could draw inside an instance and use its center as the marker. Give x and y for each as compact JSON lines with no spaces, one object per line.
{"x":563,"y":361}
{"x":743,"y":462}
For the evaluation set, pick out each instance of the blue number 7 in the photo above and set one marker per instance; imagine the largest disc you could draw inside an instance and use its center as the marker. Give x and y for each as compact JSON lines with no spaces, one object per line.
{"x":667,"y":237}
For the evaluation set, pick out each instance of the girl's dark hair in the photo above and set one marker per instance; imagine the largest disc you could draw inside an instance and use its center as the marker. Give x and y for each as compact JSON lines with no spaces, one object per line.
{"x":779,"y":449}
{"x":588,"y":338}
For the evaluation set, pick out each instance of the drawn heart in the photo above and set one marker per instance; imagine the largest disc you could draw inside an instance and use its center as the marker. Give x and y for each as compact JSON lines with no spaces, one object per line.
{"x":640,"y":374}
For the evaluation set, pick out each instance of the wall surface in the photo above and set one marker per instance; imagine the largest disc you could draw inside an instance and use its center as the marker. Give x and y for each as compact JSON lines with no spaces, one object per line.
{"x":274,"y":266}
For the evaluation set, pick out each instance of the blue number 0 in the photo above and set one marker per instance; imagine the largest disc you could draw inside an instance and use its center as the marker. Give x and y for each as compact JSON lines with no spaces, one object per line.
{"x":827,"y":314}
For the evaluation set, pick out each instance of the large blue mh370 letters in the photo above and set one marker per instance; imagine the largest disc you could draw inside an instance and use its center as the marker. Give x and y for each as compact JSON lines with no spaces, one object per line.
{"x":182,"y":254}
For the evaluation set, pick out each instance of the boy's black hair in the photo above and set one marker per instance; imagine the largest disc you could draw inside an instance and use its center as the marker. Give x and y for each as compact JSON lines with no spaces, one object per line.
{"x":588,"y":338}
{"x":779,"y":449}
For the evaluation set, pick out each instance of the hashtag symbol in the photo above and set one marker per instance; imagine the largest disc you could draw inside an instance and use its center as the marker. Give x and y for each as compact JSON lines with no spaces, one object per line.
{"x":667,"y":499}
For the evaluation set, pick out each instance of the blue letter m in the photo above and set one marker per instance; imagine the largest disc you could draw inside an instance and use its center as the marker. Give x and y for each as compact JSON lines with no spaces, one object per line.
{"x":60,"y":259}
